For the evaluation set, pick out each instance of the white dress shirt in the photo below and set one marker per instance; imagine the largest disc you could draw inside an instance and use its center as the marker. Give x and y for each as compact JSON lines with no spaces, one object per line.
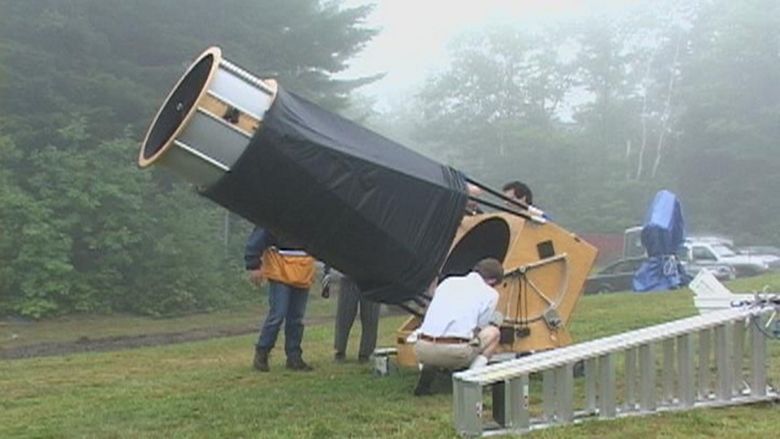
{"x":459,"y":306}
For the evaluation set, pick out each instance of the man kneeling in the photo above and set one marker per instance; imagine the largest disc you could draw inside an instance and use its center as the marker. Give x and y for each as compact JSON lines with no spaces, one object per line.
{"x":458,"y":330}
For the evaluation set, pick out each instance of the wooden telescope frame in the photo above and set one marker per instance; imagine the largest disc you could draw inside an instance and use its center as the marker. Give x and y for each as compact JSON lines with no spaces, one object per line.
{"x":545,"y":270}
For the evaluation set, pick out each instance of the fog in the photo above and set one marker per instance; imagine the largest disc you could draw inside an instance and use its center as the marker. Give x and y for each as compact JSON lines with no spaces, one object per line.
{"x":596,"y":105}
{"x":414,"y":36}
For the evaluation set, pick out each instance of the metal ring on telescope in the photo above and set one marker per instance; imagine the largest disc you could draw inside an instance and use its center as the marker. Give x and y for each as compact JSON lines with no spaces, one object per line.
{"x":179,"y":107}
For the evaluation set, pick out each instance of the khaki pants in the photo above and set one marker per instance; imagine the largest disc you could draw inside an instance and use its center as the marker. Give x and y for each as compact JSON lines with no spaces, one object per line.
{"x":446,"y":355}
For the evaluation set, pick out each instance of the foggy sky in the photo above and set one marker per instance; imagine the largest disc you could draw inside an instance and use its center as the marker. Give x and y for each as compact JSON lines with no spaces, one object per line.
{"x":414,"y":34}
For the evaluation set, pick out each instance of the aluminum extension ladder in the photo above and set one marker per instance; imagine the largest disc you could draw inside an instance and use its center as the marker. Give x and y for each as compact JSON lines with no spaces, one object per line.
{"x":688,"y":377}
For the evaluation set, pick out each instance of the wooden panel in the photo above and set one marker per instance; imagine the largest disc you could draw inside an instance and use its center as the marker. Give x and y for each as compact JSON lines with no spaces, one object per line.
{"x":406,"y":356}
{"x":558,"y":279}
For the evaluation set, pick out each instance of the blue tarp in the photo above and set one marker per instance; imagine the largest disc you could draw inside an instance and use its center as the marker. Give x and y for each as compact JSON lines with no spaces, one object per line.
{"x":663,"y":232}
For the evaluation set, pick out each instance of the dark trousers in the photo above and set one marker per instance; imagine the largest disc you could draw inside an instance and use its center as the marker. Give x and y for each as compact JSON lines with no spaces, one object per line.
{"x":286,"y":304}
{"x":346,"y":309}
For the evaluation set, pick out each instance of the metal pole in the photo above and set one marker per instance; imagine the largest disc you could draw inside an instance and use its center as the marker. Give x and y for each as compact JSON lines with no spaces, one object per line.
{"x":739,"y":338}
{"x":705,"y":353}
{"x":564,"y":393}
{"x":757,"y":358}
{"x":647,"y":401}
{"x":668,"y":372}
{"x":548,"y":395}
{"x":686,"y":384}
{"x":631,"y":355}
{"x":516,"y":413}
{"x":469,"y":408}
{"x":724,"y":366}
{"x":591,"y":371}
{"x":607,"y":406}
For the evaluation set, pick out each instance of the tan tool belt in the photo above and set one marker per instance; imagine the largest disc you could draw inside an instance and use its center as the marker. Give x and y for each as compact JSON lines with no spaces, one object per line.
{"x":290,"y":267}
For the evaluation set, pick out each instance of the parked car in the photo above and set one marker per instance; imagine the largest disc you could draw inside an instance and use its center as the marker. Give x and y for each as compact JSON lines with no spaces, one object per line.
{"x":705,"y":252}
{"x":617,"y":276}
{"x":632,"y":243}
{"x":760,"y":250}
{"x":722,"y":272}
{"x":711,"y":238}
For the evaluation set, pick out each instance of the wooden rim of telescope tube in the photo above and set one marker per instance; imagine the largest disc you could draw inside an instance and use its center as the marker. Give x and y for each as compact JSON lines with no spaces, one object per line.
{"x":169,"y":121}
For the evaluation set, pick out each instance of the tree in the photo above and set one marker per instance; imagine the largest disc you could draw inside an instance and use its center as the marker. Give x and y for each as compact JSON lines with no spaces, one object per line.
{"x":499,"y":84}
{"x":112,"y":61}
{"x":728,"y":162}
{"x":83,"y":229}
{"x":676,"y":96}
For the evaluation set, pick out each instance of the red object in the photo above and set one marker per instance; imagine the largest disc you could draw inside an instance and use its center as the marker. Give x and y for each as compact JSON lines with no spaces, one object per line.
{"x":610,"y":246}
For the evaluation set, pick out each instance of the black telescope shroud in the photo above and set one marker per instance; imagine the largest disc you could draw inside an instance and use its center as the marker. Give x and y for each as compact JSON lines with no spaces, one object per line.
{"x":373,"y":209}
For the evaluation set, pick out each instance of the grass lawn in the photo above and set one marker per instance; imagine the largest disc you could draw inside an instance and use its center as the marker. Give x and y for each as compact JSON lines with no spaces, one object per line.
{"x":207,"y":389}
{"x":16,"y":332}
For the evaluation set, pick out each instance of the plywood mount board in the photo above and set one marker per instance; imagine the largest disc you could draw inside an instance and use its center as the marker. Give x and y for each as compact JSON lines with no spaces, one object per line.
{"x":546,"y":267}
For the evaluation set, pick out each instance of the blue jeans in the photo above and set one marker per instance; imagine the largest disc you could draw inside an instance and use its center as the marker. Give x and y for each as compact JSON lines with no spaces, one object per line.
{"x":286,"y":304}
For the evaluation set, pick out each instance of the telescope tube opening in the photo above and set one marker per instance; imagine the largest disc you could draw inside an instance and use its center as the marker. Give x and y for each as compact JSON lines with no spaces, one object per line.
{"x":178,"y":107}
{"x":488,"y":239}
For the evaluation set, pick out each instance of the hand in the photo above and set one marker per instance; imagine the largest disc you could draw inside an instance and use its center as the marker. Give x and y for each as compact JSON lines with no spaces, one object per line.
{"x":326,"y":281}
{"x":497,"y":319}
{"x":256,"y":277}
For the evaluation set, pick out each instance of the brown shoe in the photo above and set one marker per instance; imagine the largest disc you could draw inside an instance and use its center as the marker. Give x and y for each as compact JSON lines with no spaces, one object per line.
{"x":297,"y":363}
{"x":260,"y":362}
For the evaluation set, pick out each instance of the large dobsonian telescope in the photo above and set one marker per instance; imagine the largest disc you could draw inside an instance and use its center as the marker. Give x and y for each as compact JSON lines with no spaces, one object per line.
{"x":381,"y":213}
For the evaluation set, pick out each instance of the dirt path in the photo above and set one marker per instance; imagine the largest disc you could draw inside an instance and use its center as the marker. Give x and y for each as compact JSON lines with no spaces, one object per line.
{"x":107,"y":344}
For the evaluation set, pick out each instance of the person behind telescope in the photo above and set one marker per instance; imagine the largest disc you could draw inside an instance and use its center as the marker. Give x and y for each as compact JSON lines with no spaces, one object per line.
{"x":472,"y":207}
{"x":289,"y":272}
{"x":519,"y":191}
{"x":348,"y":302}
{"x":460,"y":325}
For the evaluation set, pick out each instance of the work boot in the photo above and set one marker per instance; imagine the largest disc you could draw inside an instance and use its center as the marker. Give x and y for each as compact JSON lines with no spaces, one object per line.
{"x":260,"y":361}
{"x":424,"y":383}
{"x":297,"y":363}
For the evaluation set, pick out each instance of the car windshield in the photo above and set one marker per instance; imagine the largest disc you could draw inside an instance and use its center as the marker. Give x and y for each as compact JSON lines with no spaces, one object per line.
{"x":723,"y":250}
{"x":761,"y":250}
{"x":623,"y":266}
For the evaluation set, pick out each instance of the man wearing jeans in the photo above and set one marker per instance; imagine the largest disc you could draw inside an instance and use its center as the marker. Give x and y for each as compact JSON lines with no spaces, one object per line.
{"x":289,"y":272}
{"x":459,"y":329}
